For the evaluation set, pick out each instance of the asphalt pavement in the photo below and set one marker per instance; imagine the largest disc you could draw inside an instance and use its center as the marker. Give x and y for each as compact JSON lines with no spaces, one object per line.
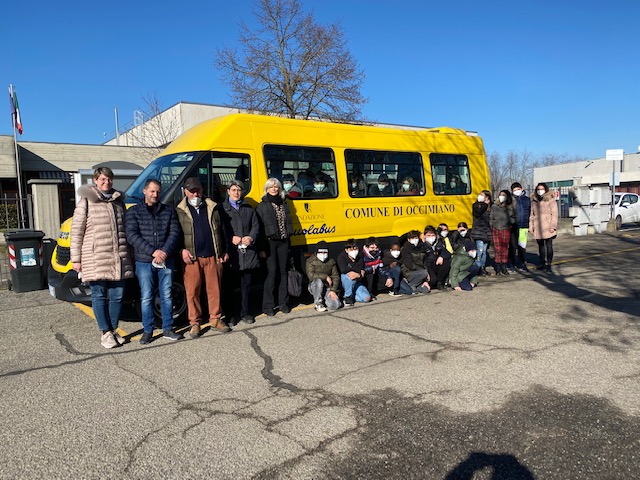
{"x":529,"y":376}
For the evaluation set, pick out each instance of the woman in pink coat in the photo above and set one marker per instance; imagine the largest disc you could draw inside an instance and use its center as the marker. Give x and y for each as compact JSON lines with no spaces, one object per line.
{"x":543,"y":223}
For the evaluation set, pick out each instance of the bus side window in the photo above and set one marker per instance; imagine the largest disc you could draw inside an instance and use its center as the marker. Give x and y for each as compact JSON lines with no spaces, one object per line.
{"x":382,"y":172}
{"x":450,"y":174}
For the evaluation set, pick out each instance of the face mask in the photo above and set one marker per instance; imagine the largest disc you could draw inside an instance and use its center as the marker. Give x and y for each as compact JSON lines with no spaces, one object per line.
{"x":395,"y":253}
{"x":373,"y":251}
{"x":517,"y":193}
{"x":195,"y":201}
{"x":502,"y":198}
{"x":430,"y":240}
{"x":354,"y":185}
{"x":353,"y":253}
{"x":472,"y":253}
{"x":322,"y":256}
{"x":481,"y":198}
{"x":444,"y":233}
{"x":541,"y":192}
{"x":381,"y":186}
{"x":463,"y":233}
{"x":287,"y":186}
{"x":318,"y":187}
{"x":405,"y":187}
{"x":452,"y":184}
{"x":414,"y":242}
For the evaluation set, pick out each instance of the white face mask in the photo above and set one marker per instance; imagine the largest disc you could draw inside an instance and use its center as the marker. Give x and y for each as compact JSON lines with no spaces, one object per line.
{"x":517,"y":193}
{"x":353,"y":253}
{"x":481,"y":198}
{"x":502,"y":198}
{"x":195,"y":201}
{"x":430,"y":240}
{"x":405,"y":186}
{"x":452,"y":184}
{"x":472,"y":253}
{"x":318,"y":187}
{"x":444,"y":233}
{"x":287,"y":186}
{"x":463,"y":233}
{"x":395,"y":253}
{"x":414,"y":241}
{"x":382,"y":186}
{"x":322,"y":256}
{"x":354,"y":185}
{"x":541,"y":192}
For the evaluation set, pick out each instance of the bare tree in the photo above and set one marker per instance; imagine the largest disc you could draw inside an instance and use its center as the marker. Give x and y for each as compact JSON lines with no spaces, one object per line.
{"x":292,"y":66}
{"x":158,"y":127}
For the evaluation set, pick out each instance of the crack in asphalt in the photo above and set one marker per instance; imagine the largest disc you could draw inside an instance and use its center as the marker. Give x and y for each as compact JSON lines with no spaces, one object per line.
{"x":267,"y":371}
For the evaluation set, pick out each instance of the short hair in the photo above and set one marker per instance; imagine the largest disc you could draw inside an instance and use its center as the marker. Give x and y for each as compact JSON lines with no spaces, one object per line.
{"x":320,"y":178}
{"x":443,"y":225}
{"x":463,"y":225}
{"x":394,"y":244}
{"x":371,"y":241}
{"x":350,"y":243}
{"x":236,"y":183}
{"x":271,"y":182}
{"x":150,"y":181}
{"x":106,"y":171}
{"x":430,"y":229}
{"x":516,"y":185}
{"x":413,"y":234}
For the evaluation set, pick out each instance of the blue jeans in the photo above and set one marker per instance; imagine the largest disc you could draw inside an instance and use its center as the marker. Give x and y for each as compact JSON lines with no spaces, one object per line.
{"x":106,"y":301}
{"x":481,"y":256}
{"x":154,"y":280}
{"x":350,"y":286}
{"x":398,"y":285}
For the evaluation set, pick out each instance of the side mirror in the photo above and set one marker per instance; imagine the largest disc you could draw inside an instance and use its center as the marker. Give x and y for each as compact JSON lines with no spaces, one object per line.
{"x":626,"y":204}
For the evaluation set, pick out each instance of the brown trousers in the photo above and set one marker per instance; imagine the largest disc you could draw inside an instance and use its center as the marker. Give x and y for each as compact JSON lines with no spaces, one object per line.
{"x":211,"y":268}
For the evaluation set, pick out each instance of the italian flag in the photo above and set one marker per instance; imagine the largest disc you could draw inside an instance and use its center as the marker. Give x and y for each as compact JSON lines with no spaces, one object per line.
{"x":15,"y":109}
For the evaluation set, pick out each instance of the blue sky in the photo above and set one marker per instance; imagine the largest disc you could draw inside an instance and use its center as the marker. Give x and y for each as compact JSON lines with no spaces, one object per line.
{"x":558,"y":77}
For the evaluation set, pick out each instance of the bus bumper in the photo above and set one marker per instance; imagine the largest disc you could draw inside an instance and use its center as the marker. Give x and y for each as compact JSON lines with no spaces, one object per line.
{"x":67,"y":287}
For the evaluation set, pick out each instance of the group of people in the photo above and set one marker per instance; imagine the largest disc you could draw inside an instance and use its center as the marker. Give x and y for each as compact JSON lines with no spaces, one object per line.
{"x":109,"y":243}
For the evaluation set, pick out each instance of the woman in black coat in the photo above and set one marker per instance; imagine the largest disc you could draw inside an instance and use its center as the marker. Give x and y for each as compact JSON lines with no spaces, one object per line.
{"x":276,"y":226}
{"x":481,"y":230}
{"x":241,"y":232}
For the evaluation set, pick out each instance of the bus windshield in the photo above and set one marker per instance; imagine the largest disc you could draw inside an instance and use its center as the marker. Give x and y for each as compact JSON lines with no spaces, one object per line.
{"x":166,"y":169}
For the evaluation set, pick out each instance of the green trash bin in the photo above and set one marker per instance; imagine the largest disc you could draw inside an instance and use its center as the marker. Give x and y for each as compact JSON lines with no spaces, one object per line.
{"x":25,"y":260}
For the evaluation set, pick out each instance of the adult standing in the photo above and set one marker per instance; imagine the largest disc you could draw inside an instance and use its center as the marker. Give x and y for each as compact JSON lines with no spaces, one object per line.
{"x":520,"y":230}
{"x":154,"y":232}
{"x":543,"y":224}
{"x":481,"y":229}
{"x":276,"y":228}
{"x":203,"y":254}
{"x":502,"y":217}
{"x":100,"y":253}
{"x":241,"y":223}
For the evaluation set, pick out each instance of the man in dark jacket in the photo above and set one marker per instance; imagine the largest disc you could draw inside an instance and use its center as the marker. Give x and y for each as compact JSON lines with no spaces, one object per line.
{"x":153,"y":231}
{"x":324,"y":279}
{"x":413,"y":263}
{"x":520,"y":230}
{"x":351,"y":267}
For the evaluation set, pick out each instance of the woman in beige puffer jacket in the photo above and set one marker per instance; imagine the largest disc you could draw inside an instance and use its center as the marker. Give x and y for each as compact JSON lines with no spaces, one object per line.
{"x":100,"y":253}
{"x":543,"y":223}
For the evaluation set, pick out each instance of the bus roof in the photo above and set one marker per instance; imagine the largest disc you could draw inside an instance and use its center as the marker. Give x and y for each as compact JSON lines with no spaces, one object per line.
{"x":237,"y":131}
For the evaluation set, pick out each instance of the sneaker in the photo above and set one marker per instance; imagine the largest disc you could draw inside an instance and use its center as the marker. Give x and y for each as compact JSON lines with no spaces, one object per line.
{"x":548,"y":269}
{"x":220,"y":326}
{"x":194,"y":332}
{"x":248,"y":319}
{"x":349,"y":302}
{"x":542,"y":266}
{"x":146,"y":338}
{"x":285,"y":309}
{"x":422,"y":289}
{"x":108,"y":340}
{"x":270,"y":312}
{"x":321,"y":308}
{"x":524,"y":267}
{"x":120,"y":339}
{"x":395,"y":294}
{"x":171,"y":335}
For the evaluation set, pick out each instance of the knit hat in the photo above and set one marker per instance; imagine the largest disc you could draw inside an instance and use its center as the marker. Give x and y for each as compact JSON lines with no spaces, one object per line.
{"x":322,"y":247}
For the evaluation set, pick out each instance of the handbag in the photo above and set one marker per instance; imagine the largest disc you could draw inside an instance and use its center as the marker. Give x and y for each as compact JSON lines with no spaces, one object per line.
{"x":294,"y":281}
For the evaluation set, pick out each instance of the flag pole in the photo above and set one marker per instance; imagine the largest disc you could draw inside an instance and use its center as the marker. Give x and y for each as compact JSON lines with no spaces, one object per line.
{"x":18,"y":169}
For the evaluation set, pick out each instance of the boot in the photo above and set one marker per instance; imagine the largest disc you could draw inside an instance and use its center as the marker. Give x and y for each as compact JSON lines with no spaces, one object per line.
{"x":504,"y":269}
{"x":485,"y":272}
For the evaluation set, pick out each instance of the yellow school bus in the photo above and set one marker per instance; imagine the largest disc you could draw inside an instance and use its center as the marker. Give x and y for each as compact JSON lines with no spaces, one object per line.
{"x":361,"y":168}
